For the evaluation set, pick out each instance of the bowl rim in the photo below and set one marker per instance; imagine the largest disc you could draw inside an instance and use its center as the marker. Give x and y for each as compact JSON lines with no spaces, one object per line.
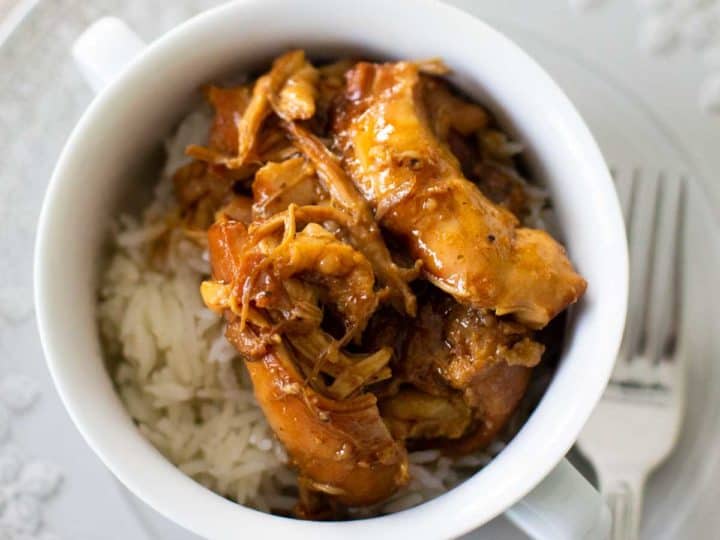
{"x":209,"y":514}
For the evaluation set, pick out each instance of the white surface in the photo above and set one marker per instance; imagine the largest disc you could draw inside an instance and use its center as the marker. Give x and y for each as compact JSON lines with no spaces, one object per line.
{"x":682,"y":495}
{"x":486,"y":65}
{"x":692,"y":25}
{"x":26,"y":485}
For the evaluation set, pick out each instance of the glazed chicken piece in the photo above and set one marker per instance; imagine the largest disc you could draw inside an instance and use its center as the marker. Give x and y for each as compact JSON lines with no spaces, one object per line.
{"x":262,"y":276}
{"x":288,"y":89}
{"x":296,"y":99}
{"x":470,"y":248}
{"x":229,"y":105}
{"x":488,"y":360}
{"x":462,"y":374}
{"x":302,"y":272}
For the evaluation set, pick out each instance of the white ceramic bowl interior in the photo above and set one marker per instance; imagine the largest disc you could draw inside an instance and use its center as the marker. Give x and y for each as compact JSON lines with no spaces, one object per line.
{"x":126,"y":124}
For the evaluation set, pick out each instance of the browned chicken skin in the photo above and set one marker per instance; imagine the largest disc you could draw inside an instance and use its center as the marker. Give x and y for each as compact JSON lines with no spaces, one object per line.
{"x":470,"y":247}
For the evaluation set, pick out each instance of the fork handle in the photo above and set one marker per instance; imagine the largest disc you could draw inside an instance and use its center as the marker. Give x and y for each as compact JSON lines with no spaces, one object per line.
{"x":624,"y":498}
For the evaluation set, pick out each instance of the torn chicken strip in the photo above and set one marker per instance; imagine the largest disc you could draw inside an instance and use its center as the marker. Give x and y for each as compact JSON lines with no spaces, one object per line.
{"x":298,"y":317}
{"x":296,"y":100}
{"x":364,"y":231}
{"x":470,"y":248}
{"x":357,"y":374}
{"x":249,"y":116}
{"x":277,"y":185}
{"x":341,"y":447}
{"x":351,"y":373}
{"x":229,"y":105}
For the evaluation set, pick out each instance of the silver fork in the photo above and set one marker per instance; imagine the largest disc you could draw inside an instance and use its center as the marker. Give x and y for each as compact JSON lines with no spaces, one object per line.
{"x":636,"y":424}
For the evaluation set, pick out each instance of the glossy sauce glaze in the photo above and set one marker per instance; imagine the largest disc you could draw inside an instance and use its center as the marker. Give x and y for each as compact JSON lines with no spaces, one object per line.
{"x":470,"y":247}
{"x":363,"y":228}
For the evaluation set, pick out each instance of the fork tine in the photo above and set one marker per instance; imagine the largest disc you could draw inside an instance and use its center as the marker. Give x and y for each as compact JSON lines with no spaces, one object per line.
{"x":641,"y":232}
{"x":665,"y":298}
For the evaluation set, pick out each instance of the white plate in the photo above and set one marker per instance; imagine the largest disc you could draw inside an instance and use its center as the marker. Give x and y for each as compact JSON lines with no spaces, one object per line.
{"x":35,"y":119}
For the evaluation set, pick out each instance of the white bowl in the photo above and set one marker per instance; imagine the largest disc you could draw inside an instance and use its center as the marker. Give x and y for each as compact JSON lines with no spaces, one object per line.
{"x":134,"y":113}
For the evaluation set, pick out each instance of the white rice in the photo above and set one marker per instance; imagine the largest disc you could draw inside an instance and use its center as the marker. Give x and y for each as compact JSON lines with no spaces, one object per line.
{"x":181,"y":381}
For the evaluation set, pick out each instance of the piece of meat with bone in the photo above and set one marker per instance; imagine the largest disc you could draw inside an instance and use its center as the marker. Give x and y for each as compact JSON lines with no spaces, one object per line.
{"x":471,"y":248}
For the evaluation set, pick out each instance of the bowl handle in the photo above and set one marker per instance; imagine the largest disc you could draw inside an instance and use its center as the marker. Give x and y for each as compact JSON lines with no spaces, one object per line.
{"x":104,"y":49}
{"x":563,"y":506}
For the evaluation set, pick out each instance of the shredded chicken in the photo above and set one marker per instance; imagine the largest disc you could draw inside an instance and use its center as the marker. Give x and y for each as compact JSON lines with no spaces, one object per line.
{"x":277,"y":185}
{"x":200,"y":190}
{"x":326,"y":436}
{"x":248,"y":118}
{"x":363,"y":228}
